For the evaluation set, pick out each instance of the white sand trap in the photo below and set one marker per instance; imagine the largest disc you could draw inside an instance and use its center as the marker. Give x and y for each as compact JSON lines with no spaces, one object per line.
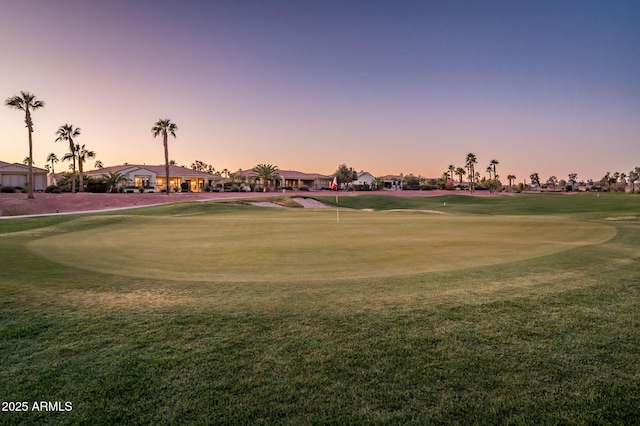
{"x":266,"y":204}
{"x":310,"y":203}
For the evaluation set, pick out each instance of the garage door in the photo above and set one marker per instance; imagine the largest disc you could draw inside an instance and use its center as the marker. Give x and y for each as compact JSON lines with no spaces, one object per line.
{"x":14,"y":180}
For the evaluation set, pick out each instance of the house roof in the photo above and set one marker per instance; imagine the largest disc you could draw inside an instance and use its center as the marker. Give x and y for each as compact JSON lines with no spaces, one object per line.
{"x":289,"y":174}
{"x":158,"y":170}
{"x":18,"y":168}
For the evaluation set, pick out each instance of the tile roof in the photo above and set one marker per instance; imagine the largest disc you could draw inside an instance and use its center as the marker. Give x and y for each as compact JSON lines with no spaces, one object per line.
{"x":18,"y":168}
{"x":158,"y":170}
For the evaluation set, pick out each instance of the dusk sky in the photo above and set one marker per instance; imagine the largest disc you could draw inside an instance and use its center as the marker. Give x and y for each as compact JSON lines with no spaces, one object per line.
{"x":385,"y":86}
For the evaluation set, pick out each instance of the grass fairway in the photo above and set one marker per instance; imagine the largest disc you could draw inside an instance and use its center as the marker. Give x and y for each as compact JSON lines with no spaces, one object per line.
{"x":213,"y":313}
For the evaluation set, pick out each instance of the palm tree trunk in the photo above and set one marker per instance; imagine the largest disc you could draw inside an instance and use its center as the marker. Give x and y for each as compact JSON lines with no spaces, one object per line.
{"x":81,"y":189}
{"x":166,"y":157}
{"x":30,"y":183}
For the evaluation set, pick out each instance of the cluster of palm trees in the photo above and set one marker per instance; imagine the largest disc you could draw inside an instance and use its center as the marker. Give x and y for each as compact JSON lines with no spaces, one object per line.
{"x":78,"y":154}
{"x":469,"y":169}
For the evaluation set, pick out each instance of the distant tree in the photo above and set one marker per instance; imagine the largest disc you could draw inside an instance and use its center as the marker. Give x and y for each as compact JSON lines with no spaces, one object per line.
{"x":98,"y":164}
{"x":52,"y":158}
{"x":494,"y":163}
{"x":345,"y":175}
{"x":165,"y":128}
{"x":203,"y":167}
{"x":572,"y":180}
{"x":552,"y":181}
{"x":489,"y":171}
{"x":82,"y":154}
{"x":26,"y":161}
{"x":452,"y":170}
{"x":411,"y":181}
{"x":511,"y":178}
{"x":460,"y":171}
{"x":67,"y":133}
{"x":470,"y":161}
{"x":26,"y":102}
{"x":265,"y":173}
{"x":535,"y":178}
{"x":634,"y":175}
{"x":172,"y":162}
{"x":378,"y":183}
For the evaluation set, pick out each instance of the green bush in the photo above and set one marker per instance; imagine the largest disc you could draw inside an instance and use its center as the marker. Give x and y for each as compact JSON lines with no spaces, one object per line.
{"x":7,"y":189}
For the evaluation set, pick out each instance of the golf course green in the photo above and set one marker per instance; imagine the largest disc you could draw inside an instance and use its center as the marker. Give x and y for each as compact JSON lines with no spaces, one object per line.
{"x":278,"y":245}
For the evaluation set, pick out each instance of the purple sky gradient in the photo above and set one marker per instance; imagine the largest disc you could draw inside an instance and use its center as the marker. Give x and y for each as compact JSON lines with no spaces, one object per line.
{"x":398,"y":86}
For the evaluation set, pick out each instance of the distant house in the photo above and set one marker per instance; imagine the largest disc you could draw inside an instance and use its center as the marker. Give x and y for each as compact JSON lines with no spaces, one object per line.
{"x":294,"y":179}
{"x":365,"y":178}
{"x":153,"y":178}
{"x":16,"y":175}
{"x":393,"y":181}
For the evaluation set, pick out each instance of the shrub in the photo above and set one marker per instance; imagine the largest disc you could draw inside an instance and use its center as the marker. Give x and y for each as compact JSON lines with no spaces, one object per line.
{"x":15,"y":211}
{"x":7,"y":189}
{"x":53,"y":189}
{"x":304,"y":188}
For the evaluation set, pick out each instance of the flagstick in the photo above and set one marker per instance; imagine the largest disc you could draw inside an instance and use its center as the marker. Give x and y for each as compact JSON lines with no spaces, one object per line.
{"x":337,"y":208}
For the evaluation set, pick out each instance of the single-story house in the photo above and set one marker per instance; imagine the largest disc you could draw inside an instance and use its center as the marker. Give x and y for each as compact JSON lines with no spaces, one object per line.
{"x":153,"y":178}
{"x":393,"y":181}
{"x":16,"y":175}
{"x":293,"y":179}
{"x":365,"y":178}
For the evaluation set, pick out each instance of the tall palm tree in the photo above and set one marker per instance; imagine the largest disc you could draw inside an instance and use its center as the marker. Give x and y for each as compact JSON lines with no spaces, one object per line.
{"x":26,"y":102}
{"x":452,"y":170}
{"x":67,"y":133}
{"x":511,"y":179}
{"x":471,"y":161}
{"x":489,"y":170}
{"x":266,"y":173}
{"x":52,"y":158}
{"x":460,"y":171}
{"x":26,"y":161}
{"x":494,"y":163}
{"x":164,"y":128}
{"x":82,"y":153}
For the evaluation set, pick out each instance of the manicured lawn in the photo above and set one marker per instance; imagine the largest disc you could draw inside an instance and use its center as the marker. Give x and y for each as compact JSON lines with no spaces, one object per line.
{"x":495,"y":313}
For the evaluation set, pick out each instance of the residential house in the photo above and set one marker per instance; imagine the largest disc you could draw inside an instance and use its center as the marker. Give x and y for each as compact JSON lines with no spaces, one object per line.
{"x":16,"y":175}
{"x":393,"y":181}
{"x":365,"y":178}
{"x":293,"y":179}
{"x":153,"y":178}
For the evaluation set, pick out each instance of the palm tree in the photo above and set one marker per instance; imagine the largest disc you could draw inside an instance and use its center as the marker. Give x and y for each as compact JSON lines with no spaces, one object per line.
{"x":26,"y":102}
{"x":452,"y":170}
{"x":98,"y":165}
{"x":164,"y":128}
{"x":494,"y":163}
{"x":83,"y":154}
{"x":511,"y":178}
{"x":67,"y":133}
{"x":52,"y":158}
{"x":26,"y":161}
{"x":489,"y":170}
{"x":265,"y":172}
{"x":113,"y":179}
{"x":460,"y":172}
{"x":471,"y":161}
{"x":378,"y":183}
